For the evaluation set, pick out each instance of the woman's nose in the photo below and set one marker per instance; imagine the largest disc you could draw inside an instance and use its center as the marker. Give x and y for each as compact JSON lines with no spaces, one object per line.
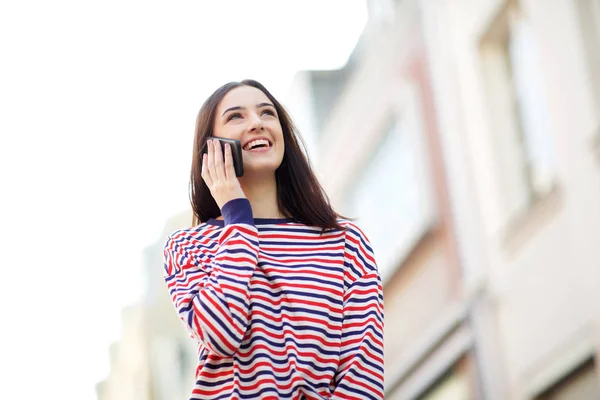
{"x":256,"y":123}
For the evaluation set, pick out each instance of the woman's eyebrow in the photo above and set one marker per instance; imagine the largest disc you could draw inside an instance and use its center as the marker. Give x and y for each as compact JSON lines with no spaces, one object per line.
{"x":232,"y":109}
{"x":243,"y":108}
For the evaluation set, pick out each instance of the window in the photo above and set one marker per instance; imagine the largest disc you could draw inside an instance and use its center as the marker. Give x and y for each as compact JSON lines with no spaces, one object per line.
{"x":392,"y":198}
{"x":581,"y":384}
{"x":520,"y":120}
{"x":453,"y":385}
{"x":589,"y":12}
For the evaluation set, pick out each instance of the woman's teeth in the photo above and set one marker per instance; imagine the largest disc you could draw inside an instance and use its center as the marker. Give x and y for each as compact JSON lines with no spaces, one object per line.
{"x":259,"y":143}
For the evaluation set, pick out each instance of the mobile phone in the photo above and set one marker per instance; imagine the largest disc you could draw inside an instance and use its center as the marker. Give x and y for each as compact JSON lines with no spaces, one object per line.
{"x":236,"y":152}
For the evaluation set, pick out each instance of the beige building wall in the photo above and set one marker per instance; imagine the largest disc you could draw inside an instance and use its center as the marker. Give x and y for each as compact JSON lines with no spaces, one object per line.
{"x":129,"y":377}
{"x":539,"y":263}
{"x":506,"y":261}
{"x":155,"y":358}
{"x":429,"y":342}
{"x":173,"y":351}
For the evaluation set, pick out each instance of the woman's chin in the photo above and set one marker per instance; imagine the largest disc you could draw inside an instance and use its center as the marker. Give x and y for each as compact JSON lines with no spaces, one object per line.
{"x":261,"y":165}
{"x":260,"y":169}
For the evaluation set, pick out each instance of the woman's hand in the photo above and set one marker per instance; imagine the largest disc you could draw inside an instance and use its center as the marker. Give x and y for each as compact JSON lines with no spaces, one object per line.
{"x":219,"y":174}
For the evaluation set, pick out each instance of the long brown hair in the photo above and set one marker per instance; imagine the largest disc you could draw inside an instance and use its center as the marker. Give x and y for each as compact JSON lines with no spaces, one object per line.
{"x":300,"y":196}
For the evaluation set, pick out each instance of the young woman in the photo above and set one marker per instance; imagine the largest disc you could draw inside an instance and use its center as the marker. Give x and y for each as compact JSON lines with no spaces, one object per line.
{"x":281,"y":293}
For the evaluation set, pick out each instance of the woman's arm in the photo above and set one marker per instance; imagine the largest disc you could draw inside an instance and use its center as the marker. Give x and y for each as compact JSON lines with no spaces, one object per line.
{"x":360,"y":371}
{"x":213,"y":300}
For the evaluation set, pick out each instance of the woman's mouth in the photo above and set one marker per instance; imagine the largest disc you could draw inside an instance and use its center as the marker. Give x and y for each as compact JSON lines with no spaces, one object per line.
{"x":258,"y":146}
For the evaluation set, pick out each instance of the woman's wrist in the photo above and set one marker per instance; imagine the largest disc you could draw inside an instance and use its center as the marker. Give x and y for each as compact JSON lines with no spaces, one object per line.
{"x":237,"y":211}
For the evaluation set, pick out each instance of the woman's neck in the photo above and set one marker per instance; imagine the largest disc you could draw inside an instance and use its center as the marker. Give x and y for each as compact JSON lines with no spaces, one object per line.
{"x":262,"y":195}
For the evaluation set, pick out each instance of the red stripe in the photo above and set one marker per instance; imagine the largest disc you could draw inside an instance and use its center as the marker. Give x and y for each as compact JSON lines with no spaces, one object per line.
{"x":230,"y":230}
{"x":303,"y":260}
{"x":368,"y":388}
{"x":231,"y":272}
{"x":304,"y":320}
{"x":308,"y":237}
{"x":286,"y":352}
{"x":215,"y":331}
{"x":208,"y":392}
{"x":286,"y":333}
{"x":361,"y":324}
{"x":240,"y":289}
{"x":265,"y":364}
{"x":290,"y":285}
{"x":356,"y":262}
{"x":242,"y":242}
{"x":348,"y":343}
{"x":290,"y":300}
{"x":361,"y":249}
{"x":318,"y":273}
{"x":224,"y":313}
{"x":236,"y":260}
{"x":269,"y":380}
{"x":307,"y":249}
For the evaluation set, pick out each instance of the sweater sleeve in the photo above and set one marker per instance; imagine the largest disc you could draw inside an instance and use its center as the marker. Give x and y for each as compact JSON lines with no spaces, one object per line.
{"x":361,"y":366}
{"x":212,"y":296}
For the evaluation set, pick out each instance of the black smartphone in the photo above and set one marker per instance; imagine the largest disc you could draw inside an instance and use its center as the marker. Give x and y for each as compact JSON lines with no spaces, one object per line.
{"x":236,"y":152}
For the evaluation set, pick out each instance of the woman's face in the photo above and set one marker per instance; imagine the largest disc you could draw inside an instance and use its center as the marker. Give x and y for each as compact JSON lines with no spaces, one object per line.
{"x":247,"y":114}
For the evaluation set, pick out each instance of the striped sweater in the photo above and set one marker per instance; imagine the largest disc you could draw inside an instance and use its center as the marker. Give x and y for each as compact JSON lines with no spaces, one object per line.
{"x":279,"y":310}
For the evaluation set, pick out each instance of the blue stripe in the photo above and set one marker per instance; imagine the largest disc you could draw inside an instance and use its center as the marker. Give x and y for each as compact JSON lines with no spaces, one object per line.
{"x":215,"y":344}
{"x":216,"y":383}
{"x":257,"y":356}
{"x":220,"y":323}
{"x":185,"y":278}
{"x":303,"y":254}
{"x":332,"y":337}
{"x":292,"y":309}
{"x":311,"y":279}
{"x":288,"y":229}
{"x":307,"y":294}
{"x":298,"y":265}
{"x":368,"y":266}
{"x":251,"y":240}
{"x":368,"y":362}
{"x":309,"y":243}
{"x":363,"y":316}
{"x":277,"y":344}
{"x":362,"y":394}
{"x":301,"y":328}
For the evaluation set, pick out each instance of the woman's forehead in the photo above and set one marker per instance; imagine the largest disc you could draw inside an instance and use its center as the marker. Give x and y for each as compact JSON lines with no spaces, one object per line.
{"x":244,"y":96}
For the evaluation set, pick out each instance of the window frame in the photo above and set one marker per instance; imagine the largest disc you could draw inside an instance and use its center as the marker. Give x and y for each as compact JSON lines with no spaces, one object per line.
{"x":404,"y":108}
{"x":509,"y":136}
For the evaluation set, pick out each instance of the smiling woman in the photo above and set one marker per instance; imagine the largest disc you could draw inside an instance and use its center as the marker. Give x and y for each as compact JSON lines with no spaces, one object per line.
{"x":279,"y":175}
{"x":282,"y":294}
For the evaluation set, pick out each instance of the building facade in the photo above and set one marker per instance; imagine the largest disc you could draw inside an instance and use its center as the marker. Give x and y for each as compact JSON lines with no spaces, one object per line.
{"x":155,"y":358}
{"x":466,"y":142}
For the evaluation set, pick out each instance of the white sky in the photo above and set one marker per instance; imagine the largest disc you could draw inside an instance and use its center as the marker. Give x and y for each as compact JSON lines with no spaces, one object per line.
{"x":97,"y":108}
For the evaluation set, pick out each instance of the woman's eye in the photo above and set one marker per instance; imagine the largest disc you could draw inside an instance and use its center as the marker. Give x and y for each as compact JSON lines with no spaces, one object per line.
{"x":234,"y":115}
{"x":268,"y":112}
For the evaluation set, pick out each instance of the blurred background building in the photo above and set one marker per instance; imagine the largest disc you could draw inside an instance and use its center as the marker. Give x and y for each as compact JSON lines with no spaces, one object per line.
{"x":155,"y":359}
{"x":465,"y":137}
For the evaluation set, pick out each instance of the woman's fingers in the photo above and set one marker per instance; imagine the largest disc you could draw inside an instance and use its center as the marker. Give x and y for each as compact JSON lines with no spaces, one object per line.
{"x":205,"y":172}
{"x":229,"y":169}
{"x":219,"y":165}
{"x":211,"y":161}
{"x":214,"y":167}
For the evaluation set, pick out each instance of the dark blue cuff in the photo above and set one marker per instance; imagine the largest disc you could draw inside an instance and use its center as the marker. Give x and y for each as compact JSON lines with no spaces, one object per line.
{"x":237,"y":211}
